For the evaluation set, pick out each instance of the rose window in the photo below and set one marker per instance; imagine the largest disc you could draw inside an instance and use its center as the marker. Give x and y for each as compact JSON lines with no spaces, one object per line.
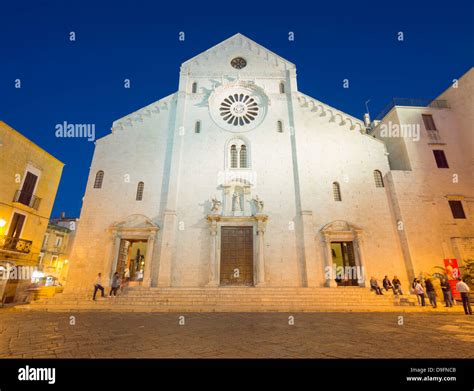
{"x":239,"y":109}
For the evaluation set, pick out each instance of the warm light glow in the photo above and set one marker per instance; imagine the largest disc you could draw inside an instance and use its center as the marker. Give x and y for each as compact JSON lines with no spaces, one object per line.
{"x":66,"y":261}
{"x":3,"y":222}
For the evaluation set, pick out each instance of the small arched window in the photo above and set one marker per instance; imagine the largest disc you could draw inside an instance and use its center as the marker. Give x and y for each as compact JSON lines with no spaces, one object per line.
{"x":194,"y":87}
{"x":282,"y":88}
{"x":197,"y":127}
{"x":233,"y":156}
{"x":140,"y":188}
{"x":243,"y":156}
{"x":336,"y":191}
{"x":378,"y":179}
{"x":99,"y":178}
{"x":280,"y":127}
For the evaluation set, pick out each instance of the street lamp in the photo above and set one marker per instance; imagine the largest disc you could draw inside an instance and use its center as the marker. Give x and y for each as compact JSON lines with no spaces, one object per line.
{"x":3,"y":222}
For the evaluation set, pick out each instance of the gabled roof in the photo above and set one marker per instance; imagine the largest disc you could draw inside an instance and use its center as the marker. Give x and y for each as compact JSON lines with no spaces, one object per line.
{"x":240,"y":40}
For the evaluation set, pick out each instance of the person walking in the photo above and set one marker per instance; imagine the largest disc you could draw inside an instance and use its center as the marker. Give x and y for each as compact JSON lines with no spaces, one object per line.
{"x":397,"y":285}
{"x":420,"y":292}
{"x":375,"y":286}
{"x":447,"y":294}
{"x":98,"y":286}
{"x":115,"y":284}
{"x":463,"y":289}
{"x":430,"y":291}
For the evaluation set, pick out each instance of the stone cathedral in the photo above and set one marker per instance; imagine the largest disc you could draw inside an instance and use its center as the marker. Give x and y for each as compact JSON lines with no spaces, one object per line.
{"x":240,"y":179}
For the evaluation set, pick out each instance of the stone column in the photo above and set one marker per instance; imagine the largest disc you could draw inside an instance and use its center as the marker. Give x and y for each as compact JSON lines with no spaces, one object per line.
{"x":213,"y":266}
{"x":330,"y":283}
{"x":167,"y":247}
{"x":359,"y":243}
{"x":150,"y":246}
{"x":309,"y":250}
{"x":261,"y":221}
{"x":116,"y":238}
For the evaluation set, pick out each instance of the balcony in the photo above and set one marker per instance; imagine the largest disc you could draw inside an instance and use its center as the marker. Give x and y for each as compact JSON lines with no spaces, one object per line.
{"x":27,"y":199}
{"x":15,"y":244}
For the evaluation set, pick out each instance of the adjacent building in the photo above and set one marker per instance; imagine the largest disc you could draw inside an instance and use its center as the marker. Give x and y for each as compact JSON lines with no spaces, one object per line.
{"x":29,"y":179}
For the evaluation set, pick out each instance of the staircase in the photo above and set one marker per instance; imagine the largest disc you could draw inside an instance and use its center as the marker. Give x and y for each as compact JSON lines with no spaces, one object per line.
{"x":235,"y":299}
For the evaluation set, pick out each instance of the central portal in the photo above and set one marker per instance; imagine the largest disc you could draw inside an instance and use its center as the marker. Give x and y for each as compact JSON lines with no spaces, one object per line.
{"x":236,"y":256}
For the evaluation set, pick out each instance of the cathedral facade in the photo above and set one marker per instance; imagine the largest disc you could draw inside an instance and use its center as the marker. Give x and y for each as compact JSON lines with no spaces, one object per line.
{"x":240,"y":179}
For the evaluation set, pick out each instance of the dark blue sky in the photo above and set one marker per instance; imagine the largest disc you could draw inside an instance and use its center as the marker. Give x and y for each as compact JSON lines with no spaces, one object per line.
{"x":82,"y":81}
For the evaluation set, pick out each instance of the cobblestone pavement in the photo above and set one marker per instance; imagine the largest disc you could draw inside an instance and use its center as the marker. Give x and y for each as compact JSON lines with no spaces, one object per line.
{"x":220,"y":335}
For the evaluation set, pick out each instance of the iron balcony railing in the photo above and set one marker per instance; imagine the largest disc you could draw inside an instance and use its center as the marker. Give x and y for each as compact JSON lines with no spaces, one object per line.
{"x":436,"y":103}
{"x":15,"y":244}
{"x":27,"y":199}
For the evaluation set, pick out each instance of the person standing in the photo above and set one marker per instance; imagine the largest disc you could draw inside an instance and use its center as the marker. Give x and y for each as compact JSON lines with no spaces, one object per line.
{"x":430,"y":291}
{"x":115,"y":284}
{"x":447,"y":294}
{"x":98,"y":286}
{"x":463,"y":289}
{"x":397,"y":285}
{"x":420,"y":292}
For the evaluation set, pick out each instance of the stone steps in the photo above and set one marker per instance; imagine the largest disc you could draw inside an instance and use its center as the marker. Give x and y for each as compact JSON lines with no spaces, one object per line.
{"x":231,"y":299}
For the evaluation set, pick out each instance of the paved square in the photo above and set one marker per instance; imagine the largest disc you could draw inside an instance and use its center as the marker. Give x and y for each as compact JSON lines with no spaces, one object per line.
{"x":243,"y":335}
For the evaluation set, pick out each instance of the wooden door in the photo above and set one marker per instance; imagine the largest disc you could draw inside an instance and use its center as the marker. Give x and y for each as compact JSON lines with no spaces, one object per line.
{"x":28,"y":188}
{"x":236,"y":256}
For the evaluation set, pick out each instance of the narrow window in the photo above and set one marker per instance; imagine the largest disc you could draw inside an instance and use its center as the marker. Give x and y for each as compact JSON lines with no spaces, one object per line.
{"x":194,"y":88}
{"x":140,"y":188}
{"x":378,"y":179}
{"x":99,"y":177}
{"x":282,"y":88}
{"x":440,"y":158}
{"x":233,"y":156}
{"x":280,"y":127}
{"x":243,"y":156}
{"x":457,"y":209}
{"x":428,"y":121}
{"x":336,"y":190}
{"x":197,"y":127}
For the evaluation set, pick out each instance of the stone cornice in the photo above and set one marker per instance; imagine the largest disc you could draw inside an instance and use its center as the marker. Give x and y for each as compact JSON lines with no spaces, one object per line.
{"x":140,"y":115}
{"x":330,"y":113}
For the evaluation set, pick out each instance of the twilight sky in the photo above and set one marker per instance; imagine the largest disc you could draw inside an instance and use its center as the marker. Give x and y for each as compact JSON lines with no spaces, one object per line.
{"x":82,"y":81}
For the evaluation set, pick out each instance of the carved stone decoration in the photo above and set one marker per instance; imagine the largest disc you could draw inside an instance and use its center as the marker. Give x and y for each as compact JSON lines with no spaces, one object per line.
{"x":259,"y":204}
{"x":236,"y":202}
{"x":216,"y":205}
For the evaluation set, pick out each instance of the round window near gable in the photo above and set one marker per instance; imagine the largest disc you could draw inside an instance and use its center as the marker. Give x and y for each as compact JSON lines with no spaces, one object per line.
{"x":238,"y":63}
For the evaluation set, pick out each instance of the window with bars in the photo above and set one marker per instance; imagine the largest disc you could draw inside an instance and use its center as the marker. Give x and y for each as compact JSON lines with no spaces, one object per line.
{"x":428,"y":121}
{"x":378,"y":179}
{"x":280,"y":127}
{"x":440,"y":158}
{"x":336,"y":191}
{"x":233,"y":156}
{"x":457,"y":210}
{"x":140,"y":188}
{"x":99,"y":178}
{"x":197,"y":127}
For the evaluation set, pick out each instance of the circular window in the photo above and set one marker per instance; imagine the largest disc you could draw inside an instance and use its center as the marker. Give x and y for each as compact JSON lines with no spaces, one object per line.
{"x":238,"y":109}
{"x":238,"y":63}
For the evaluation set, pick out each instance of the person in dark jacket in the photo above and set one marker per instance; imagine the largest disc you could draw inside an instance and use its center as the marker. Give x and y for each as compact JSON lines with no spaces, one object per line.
{"x":387,"y":284}
{"x":447,"y":294}
{"x":430,"y":291}
{"x":397,"y":285}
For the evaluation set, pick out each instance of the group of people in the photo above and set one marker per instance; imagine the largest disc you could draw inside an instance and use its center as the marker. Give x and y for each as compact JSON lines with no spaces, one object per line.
{"x":117,"y":283}
{"x":395,"y":285}
{"x":426,"y":288}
